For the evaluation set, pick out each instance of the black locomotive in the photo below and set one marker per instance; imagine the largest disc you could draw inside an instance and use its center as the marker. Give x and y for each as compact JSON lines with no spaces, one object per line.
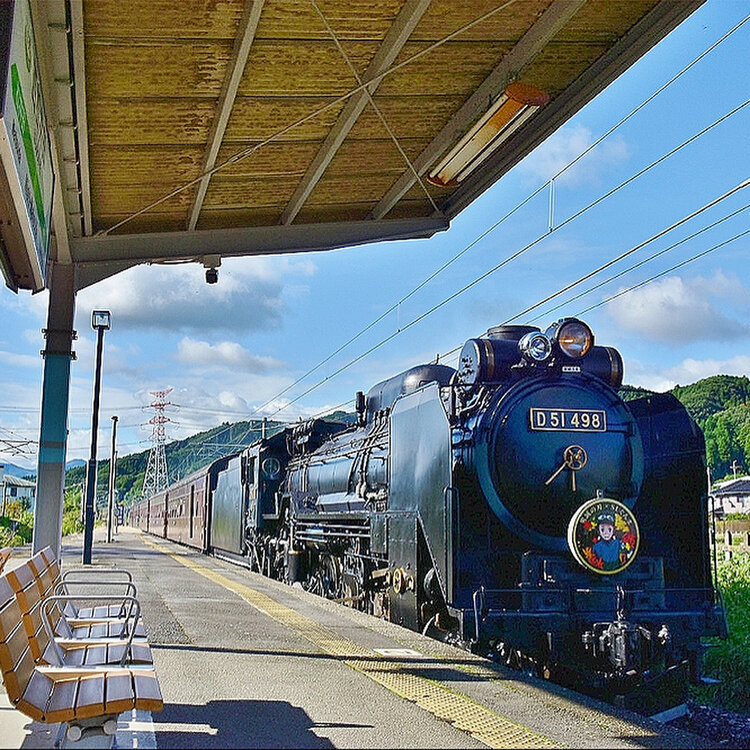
{"x":516,"y":506}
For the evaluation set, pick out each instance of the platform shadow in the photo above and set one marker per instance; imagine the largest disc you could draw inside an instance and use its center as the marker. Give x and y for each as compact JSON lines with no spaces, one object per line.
{"x":240,"y":724}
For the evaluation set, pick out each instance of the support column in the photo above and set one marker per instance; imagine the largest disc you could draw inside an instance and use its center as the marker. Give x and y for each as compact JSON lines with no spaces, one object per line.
{"x":53,"y":431}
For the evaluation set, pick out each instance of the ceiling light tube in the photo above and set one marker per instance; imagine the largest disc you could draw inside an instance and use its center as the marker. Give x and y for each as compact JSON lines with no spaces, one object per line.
{"x":512,"y":109}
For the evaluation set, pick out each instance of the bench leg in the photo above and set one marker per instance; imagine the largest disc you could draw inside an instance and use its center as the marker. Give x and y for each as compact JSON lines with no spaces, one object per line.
{"x":97,"y":733}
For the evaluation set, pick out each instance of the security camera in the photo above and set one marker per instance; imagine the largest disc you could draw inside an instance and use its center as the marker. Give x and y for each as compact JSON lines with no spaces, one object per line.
{"x":211,"y":263}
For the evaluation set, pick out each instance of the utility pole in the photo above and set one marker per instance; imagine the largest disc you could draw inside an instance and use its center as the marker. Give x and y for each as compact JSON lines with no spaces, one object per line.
{"x":112,"y":476}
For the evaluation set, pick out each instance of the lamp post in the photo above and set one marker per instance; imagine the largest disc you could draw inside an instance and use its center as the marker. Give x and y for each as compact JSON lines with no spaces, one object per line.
{"x":100,"y":320}
{"x":112,"y":475}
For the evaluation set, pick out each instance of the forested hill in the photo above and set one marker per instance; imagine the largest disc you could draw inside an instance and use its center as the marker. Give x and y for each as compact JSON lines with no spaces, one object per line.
{"x":713,"y":395}
{"x":720,"y":404}
{"x":183,"y":456}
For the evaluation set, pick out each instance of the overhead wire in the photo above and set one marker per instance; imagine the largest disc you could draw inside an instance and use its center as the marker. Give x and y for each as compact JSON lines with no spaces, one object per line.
{"x":640,"y":263}
{"x":659,"y":275}
{"x":630,"y":252}
{"x":363,"y":87}
{"x":515,"y":209}
{"x":535,"y":242}
{"x":567,"y":287}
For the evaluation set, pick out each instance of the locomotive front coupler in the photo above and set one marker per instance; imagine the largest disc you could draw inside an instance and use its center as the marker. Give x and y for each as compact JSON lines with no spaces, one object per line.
{"x":627,"y":647}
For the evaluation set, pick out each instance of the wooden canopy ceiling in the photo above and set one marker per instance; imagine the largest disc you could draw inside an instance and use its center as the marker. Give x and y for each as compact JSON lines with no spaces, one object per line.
{"x":189,"y":128}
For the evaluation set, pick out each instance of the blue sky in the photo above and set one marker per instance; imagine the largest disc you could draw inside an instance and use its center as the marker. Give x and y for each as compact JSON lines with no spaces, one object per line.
{"x":230,"y":348}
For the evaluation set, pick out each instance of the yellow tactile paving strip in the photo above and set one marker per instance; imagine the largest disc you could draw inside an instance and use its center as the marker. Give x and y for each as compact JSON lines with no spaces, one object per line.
{"x":611,"y":725}
{"x":485,"y":725}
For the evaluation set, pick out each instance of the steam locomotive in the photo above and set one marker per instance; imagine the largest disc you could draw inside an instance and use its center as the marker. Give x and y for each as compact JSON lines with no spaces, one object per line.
{"x":516,"y":505}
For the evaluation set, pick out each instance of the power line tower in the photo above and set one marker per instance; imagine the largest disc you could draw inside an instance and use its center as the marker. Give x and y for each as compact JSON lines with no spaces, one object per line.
{"x":157,"y":478}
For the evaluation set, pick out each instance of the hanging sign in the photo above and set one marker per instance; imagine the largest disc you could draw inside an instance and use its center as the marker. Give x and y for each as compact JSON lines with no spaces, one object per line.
{"x":27,"y":178}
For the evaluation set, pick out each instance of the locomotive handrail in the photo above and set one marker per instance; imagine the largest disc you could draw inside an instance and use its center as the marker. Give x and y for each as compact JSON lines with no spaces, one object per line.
{"x":483,"y":605}
{"x":478,"y":600}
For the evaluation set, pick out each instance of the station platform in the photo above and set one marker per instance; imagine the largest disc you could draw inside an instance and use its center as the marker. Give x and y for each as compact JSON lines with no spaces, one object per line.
{"x":247,"y":662}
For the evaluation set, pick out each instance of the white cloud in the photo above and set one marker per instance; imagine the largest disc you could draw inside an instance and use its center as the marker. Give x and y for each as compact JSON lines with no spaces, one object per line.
{"x":223,"y":354}
{"x":679,"y":311}
{"x":688,"y":371}
{"x":565,"y":145}
{"x":13,"y":359}
{"x":248,"y":296}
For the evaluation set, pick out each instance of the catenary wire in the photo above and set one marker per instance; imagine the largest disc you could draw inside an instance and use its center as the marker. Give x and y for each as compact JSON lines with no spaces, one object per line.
{"x":632,"y":250}
{"x":500,"y":221}
{"x":422,"y":316}
{"x":533,"y":194}
{"x":641,"y":263}
{"x":665,"y":272}
{"x":239,"y":155}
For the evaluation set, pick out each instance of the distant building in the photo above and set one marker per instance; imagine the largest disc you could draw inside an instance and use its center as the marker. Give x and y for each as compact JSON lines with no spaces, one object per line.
{"x":732,"y":496}
{"x":14,"y":489}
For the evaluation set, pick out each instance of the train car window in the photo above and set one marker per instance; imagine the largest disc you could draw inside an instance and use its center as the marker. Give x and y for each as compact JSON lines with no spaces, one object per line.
{"x":250,"y":470}
{"x":192,"y":507}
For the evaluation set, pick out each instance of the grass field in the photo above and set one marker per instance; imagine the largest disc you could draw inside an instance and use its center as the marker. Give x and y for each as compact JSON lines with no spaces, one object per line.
{"x":730,"y":660}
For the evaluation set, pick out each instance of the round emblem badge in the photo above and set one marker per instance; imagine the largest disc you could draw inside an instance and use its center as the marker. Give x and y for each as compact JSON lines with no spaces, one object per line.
{"x":603,"y":536}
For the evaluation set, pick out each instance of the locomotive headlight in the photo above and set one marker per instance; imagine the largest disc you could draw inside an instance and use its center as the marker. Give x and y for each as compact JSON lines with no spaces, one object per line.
{"x":574,"y":338}
{"x":535,"y":346}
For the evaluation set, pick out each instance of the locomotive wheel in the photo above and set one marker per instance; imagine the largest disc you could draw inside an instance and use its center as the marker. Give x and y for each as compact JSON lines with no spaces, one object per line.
{"x":353,"y":579}
{"x":277,"y":556}
{"x":326,"y":578}
{"x":257,"y":557}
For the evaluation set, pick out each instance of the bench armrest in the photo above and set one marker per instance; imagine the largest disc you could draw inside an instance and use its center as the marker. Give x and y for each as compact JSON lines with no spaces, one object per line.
{"x":134,"y":612}
{"x":63,"y":587}
{"x":97,"y":571}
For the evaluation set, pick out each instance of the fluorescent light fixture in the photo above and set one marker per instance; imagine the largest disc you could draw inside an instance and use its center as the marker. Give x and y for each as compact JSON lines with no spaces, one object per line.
{"x":512,"y":109}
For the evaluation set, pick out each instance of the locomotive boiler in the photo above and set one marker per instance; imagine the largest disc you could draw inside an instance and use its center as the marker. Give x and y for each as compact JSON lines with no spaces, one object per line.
{"x":515,"y":505}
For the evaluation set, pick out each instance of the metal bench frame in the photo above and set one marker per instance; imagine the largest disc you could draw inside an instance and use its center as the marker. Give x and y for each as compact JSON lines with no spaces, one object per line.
{"x":99,"y":725}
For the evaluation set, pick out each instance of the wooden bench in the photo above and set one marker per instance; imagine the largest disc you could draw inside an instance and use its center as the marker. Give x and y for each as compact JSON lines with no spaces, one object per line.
{"x":103,"y":621}
{"x":5,"y":554}
{"x":86,"y":699}
{"x":55,"y":640}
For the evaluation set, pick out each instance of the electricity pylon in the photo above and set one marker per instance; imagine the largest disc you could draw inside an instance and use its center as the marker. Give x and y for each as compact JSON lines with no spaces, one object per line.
{"x":157,"y":478}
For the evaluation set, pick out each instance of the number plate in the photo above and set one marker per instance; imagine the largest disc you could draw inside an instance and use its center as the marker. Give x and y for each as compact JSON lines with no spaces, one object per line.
{"x":569,"y":420}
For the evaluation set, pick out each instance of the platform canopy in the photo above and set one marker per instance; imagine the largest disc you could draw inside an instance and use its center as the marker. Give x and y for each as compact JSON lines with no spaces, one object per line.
{"x":201,"y":129}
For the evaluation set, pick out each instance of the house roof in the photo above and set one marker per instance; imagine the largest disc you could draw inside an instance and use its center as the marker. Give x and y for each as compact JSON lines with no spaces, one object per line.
{"x":12,"y":481}
{"x":739,"y":486}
